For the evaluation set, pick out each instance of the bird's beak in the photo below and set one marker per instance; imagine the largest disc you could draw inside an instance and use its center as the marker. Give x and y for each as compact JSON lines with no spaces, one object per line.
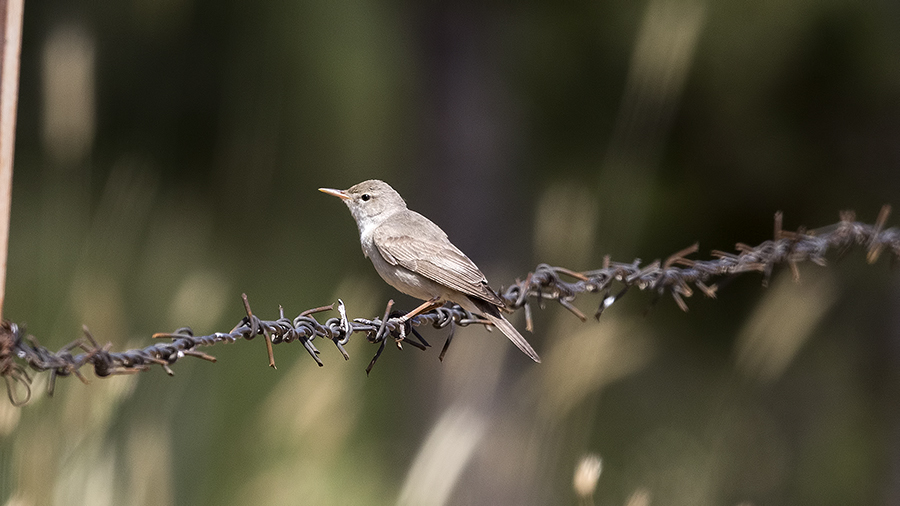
{"x":341,"y":194}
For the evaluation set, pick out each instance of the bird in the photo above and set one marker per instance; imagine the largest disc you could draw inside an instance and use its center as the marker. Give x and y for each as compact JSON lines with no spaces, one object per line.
{"x":415,"y":256}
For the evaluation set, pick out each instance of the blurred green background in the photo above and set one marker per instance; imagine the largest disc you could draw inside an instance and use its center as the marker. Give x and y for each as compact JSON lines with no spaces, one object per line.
{"x":168,"y":154}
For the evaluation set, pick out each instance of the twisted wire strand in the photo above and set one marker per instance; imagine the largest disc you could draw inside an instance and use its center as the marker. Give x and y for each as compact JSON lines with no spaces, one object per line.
{"x":677,"y":276}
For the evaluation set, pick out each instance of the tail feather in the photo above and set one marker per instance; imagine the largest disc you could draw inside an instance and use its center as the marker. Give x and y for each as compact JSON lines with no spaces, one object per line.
{"x":503,"y":324}
{"x":492,"y":313}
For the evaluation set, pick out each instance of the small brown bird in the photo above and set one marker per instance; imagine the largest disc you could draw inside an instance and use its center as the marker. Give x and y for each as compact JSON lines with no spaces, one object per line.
{"x":414,"y":256}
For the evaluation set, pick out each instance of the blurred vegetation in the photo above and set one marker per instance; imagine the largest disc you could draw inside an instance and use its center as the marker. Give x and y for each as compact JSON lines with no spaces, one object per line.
{"x":167,"y":157}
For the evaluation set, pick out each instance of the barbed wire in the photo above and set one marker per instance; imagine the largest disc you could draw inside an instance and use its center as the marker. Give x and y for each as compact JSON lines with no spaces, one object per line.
{"x":677,"y":276}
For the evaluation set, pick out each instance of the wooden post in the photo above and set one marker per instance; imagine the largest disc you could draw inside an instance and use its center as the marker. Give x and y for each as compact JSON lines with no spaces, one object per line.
{"x":11,"y":40}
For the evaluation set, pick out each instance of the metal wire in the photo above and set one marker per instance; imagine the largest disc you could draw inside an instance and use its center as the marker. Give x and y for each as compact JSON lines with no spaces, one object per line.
{"x":677,"y":276}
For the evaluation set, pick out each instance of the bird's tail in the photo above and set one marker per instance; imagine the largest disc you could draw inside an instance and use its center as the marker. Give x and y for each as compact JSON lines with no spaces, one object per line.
{"x":503,"y":324}
{"x":492,"y":313}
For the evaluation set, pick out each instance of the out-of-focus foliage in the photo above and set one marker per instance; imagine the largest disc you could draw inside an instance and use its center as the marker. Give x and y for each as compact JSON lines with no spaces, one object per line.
{"x":167,"y":157}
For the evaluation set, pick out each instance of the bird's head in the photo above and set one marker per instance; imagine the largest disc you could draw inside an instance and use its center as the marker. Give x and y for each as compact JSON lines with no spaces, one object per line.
{"x":370,"y":202}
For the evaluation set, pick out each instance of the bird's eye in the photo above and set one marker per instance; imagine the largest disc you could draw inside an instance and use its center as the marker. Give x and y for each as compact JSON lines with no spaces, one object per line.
{"x":366,"y":197}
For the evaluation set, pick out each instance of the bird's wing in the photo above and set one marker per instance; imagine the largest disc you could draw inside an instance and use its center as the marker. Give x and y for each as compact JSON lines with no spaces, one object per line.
{"x":432,"y":255}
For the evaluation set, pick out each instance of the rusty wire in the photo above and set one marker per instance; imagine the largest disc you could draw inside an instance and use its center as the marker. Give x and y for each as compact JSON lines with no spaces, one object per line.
{"x":677,"y":276}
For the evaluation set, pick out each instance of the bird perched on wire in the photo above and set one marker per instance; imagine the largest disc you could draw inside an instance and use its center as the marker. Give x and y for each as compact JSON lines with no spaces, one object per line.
{"x":414,"y":256}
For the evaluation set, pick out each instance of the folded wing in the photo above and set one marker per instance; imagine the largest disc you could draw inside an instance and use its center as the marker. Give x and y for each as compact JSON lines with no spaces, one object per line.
{"x":433,"y":255}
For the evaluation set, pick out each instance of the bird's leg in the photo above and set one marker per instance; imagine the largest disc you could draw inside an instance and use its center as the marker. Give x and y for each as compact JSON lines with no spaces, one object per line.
{"x":426,"y":306}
